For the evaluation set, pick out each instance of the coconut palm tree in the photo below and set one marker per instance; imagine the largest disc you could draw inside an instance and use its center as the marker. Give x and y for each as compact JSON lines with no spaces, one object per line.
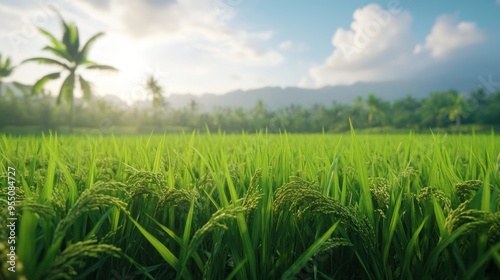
{"x":457,"y":109}
{"x":154,"y":88}
{"x":358,"y":103}
{"x":374,"y":104}
{"x":72,"y":57}
{"x":6,"y":69}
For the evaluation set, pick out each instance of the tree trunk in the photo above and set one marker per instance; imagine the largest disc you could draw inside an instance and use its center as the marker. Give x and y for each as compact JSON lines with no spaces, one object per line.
{"x":457,"y":121}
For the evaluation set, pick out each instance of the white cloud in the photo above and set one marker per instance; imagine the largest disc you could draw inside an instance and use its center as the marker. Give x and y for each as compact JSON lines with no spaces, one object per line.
{"x":194,"y":22}
{"x":379,"y":47}
{"x":448,"y":35}
{"x":377,"y":44}
{"x":285,"y":45}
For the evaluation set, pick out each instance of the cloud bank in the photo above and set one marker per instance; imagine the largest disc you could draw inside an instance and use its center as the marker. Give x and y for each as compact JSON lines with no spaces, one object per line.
{"x":379,"y":46}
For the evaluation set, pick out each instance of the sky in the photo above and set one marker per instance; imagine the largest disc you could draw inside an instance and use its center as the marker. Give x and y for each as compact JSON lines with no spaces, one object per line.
{"x":217,"y":46}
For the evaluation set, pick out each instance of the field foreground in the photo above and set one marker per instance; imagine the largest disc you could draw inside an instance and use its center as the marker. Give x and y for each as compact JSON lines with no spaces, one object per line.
{"x":251,"y":207}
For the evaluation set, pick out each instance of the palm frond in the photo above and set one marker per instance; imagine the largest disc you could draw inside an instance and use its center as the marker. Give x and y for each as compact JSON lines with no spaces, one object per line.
{"x":38,"y":86}
{"x":82,"y":56}
{"x":21,"y":85}
{"x":86,"y":88}
{"x":45,"y":60}
{"x":25,"y":89}
{"x":5,"y":72}
{"x":71,"y":40}
{"x":58,"y":52}
{"x":5,"y":67}
{"x":67,"y":89}
{"x":55,"y":43}
{"x":102,"y":67}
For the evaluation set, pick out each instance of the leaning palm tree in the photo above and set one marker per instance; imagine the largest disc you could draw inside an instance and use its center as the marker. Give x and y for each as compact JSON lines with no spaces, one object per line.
{"x":72,"y":59}
{"x":6,"y":69}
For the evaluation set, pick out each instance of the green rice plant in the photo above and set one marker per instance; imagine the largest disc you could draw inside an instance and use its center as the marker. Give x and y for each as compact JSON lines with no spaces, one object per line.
{"x":64,"y":266}
{"x":316,"y":247}
{"x":494,"y":230}
{"x":379,"y":188}
{"x":428,"y":194}
{"x":250,"y":206}
{"x":465,"y":190}
{"x":253,"y":193}
{"x":474,"y":219}
{"x":90,"y":200}
{"x":304,"y":201}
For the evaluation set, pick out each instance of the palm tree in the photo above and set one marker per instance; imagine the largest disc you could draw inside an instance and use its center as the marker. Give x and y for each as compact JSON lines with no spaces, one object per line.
{"x":456,"y":110}
{"x":71,"y":58}
{"x":374,"y":109}
{"x":156,"y":91}
{"x":193,"y":106}
{"x":6,"y":69}
{"x":358,"y":111}
{"x":405,"y":112}
{"x":358,"y":103}
{"x":259,"y":114}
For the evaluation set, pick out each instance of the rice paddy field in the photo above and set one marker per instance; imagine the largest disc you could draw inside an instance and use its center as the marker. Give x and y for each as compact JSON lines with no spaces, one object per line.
{"x":251,"y":206}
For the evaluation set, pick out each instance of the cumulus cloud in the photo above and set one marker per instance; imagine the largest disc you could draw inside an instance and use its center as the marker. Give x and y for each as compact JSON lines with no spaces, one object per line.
{"x":379,"y":47}
{"x":449,"y":35}
{"x":377,"y":42}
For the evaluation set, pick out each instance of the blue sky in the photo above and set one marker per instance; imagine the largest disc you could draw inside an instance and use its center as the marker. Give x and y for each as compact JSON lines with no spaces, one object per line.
{"x":215,"y":46}
{"x":315,"y":21}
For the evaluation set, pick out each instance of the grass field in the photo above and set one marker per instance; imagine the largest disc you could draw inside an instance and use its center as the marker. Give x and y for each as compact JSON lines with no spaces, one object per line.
{"x":253,"y":206}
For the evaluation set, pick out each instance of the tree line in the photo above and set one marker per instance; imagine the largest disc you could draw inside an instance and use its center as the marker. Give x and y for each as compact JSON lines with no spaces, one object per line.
{"x":449,"y":110}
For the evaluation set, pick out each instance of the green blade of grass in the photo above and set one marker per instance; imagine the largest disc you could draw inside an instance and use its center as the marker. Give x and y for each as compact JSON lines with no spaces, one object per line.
{"x":304,"y":258}
{"x":183,"y":257}
{"x":409,"y":252}
{"x":165,"y":253}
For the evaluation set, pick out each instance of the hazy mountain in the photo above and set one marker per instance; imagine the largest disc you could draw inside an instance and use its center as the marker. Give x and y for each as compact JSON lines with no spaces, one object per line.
{"x":276,"y":97}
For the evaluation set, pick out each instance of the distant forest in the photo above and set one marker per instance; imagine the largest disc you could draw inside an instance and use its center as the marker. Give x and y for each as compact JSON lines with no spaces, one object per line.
{"x":440,"y":111}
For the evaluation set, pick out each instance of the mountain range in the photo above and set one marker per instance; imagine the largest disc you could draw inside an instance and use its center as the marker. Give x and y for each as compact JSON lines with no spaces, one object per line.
{"x":279,"y":97}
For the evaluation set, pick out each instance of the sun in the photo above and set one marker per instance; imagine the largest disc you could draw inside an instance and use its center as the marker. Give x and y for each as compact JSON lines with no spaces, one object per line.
{"x":124,"y":54}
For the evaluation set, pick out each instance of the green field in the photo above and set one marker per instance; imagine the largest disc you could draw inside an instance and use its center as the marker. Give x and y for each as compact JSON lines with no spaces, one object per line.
{"x":256,"y":206}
